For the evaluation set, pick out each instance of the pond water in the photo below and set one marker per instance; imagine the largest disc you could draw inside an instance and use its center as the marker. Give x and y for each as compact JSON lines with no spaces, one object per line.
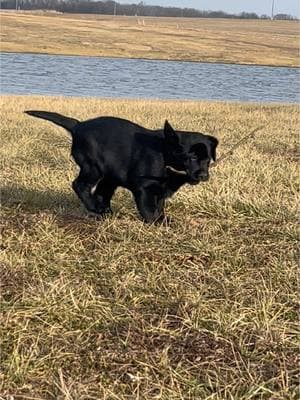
{"x":44,"y":74}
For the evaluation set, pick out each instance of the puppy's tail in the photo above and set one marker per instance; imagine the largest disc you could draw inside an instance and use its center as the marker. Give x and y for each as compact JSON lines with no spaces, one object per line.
{"x":66,"y":122}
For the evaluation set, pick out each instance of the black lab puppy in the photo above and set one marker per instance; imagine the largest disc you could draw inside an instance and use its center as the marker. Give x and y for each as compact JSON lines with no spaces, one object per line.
{"x":152,"y":164}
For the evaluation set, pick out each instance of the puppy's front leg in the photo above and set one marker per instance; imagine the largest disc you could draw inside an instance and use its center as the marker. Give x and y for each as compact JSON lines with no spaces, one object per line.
{"x":103,"y":194}
{"x":150,"y":202}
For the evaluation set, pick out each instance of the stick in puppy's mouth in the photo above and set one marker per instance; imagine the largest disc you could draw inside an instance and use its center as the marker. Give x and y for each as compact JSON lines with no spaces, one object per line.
{"x":176,"y":171}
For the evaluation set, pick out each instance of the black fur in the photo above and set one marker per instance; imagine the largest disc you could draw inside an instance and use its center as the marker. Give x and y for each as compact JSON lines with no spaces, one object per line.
{"x":114,"y":152}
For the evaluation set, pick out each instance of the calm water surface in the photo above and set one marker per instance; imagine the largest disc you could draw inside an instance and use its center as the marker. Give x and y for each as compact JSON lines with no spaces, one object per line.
{"x":119,"y":77}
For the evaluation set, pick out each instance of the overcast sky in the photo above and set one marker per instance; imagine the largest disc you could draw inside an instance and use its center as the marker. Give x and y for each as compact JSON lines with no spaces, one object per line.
{"x":233,"y":6}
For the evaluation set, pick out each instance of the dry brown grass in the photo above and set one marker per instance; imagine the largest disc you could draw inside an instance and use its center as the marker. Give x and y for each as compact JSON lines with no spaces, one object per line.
{"x":210,"y":40}
{"x":205,"y":308}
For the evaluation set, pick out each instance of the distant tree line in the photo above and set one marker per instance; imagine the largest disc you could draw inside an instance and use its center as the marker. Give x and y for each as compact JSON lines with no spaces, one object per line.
{"x":110,"y":7}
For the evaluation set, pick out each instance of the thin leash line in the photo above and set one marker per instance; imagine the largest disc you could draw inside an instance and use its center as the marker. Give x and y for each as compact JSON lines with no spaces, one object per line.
{"x":238,"y":144}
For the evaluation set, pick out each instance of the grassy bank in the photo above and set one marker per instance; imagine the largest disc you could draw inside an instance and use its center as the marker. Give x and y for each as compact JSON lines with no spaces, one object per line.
{"x":205,"y":308}
{"x":211,"y":40}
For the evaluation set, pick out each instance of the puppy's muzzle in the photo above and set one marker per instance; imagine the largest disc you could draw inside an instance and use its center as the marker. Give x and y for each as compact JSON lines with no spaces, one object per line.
{"x":197,"y":178}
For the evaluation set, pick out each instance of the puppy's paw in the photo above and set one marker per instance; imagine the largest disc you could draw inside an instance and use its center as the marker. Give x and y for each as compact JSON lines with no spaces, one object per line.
{"x":103,"y":210}
{"x":100,"y":213}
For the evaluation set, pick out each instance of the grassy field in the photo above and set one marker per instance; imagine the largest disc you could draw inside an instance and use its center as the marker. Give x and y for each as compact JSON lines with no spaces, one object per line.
{"x":210,"y":40}
{"x":205,"y":308}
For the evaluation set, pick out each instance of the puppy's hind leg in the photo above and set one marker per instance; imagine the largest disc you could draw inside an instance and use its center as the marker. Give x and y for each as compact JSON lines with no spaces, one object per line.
{"x":83,"y":184}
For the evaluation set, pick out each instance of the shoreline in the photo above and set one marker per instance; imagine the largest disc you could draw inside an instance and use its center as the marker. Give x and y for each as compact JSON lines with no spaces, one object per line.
{"x":153,"y":100}
{"x":150,"y":59}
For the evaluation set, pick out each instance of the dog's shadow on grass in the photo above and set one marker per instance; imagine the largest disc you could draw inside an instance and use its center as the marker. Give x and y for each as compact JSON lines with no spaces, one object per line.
{"x":18,"y":200}
{"x":32,"y":199}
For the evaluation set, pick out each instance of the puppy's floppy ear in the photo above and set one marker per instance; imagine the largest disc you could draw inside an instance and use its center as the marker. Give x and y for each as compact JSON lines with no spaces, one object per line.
{"x":213,"y":142}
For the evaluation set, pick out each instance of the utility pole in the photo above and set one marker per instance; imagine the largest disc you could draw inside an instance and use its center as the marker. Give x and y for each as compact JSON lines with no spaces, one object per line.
{"x":272,"y":16}
{"x":115,"y":9}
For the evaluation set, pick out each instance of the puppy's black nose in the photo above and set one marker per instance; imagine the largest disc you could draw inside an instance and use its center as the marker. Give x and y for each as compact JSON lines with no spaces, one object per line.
{"x":203,"y":177}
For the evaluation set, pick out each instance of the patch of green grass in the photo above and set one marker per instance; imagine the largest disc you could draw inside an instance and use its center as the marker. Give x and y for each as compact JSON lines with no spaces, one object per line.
{"x":205,"y":308}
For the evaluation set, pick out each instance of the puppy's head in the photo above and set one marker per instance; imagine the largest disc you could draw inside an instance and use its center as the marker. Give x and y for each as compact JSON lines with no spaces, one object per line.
{"x":200,"y":156}
{"x":192,"y":161}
